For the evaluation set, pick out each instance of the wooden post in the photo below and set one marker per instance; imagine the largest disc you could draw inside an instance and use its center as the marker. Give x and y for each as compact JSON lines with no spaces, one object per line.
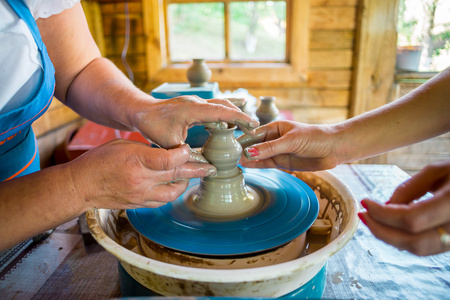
{"x":154,"y":27}
{"x":375,"y":54}
{"x":299,"y":39}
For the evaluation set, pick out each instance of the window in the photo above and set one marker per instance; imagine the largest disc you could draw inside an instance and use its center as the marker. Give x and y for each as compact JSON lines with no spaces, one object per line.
{"x":254,"y":43}
{"x":227,"y":31}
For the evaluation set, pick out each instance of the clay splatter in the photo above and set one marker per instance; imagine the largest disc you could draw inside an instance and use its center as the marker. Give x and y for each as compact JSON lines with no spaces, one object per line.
{"x":337,"y":278}
{"x":355,"y":283}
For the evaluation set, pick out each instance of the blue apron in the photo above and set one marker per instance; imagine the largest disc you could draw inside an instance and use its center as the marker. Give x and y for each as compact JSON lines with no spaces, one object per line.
{"x":19,"y":153}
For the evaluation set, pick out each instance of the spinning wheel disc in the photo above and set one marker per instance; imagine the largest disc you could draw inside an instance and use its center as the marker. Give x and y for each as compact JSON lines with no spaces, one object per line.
{"x":289,"y":208}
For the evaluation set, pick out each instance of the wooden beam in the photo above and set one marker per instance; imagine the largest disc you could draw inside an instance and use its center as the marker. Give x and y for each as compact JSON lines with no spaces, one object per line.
{"x":154,"y":27}
{"x":299,"y":37}
{"x":375,"y":54}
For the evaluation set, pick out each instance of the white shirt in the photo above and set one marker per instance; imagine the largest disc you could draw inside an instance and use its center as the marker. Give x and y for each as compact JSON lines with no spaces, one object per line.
{"x":20,"y":62}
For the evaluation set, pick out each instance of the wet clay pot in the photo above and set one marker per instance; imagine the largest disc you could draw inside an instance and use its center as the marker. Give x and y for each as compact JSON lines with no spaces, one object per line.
{"x":267,"y":110}
{"x":198,"y":73}
{"x":223,"y":150}
{"x":224,"y":195}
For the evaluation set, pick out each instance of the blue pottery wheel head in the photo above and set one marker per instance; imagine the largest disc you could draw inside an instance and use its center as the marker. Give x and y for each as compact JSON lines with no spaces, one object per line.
{"x":290,"y":207}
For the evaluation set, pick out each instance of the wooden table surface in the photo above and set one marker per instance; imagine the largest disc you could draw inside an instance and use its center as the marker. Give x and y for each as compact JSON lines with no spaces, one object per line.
{"x":66,"y":266}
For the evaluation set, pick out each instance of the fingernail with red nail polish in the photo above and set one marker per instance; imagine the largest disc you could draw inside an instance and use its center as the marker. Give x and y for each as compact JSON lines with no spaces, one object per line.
{"x":363,"y":204}
{"x":388,"y":202}
{"x":251,"y":152}
{"x":361,"y":217}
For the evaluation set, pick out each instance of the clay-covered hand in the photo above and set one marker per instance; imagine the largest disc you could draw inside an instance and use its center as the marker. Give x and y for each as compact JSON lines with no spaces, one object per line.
{"x":128,"y":174}
{"x":420,"y":227}
{"x":165,"y":122}
{"x":289,"y":145}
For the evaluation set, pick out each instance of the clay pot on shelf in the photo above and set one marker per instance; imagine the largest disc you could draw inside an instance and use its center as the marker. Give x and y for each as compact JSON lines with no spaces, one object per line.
{"x":267,"y":110}
{"x":198,"y":73}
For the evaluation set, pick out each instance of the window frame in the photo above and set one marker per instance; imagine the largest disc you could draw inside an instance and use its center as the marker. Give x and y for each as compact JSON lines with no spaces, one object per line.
{"x":247,"y":74}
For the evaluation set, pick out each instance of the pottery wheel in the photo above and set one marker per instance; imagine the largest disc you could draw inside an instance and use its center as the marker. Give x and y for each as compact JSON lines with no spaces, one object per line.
{"x":289,"y":207}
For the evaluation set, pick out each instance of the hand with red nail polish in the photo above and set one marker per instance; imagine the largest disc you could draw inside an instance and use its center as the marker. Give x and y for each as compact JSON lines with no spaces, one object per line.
{"x":289,"y":145}
{"x":409,"y":224}
{"x":306,"y":147}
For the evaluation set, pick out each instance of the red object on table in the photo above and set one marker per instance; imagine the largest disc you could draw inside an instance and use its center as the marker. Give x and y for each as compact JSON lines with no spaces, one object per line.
{"x":92,"y":135}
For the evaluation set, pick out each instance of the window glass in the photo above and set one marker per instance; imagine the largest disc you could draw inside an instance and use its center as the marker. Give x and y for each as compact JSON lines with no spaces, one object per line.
{"x":196,"y":30}
{"x":258,"y":30}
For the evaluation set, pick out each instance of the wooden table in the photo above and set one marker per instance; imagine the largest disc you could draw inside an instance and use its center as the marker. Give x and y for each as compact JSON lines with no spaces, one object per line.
{"x":63,"y":267}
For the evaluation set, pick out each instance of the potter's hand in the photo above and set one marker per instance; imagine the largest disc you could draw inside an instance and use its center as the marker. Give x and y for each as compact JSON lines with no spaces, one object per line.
{"x":418,"y":227}
{"x":289,"y":145}
{"x":166,"y":122}
{"x":128,"y":174}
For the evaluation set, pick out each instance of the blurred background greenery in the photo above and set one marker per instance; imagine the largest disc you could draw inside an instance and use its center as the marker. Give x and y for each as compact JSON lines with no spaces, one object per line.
{"x":257,"y":31}
{"x":426,"y":24}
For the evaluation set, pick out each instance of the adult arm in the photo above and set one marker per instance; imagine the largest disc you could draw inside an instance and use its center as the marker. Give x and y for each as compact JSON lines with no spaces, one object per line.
{"x":417,"y":116}
{"x":118,"y":175}
{"x":96,"y":89}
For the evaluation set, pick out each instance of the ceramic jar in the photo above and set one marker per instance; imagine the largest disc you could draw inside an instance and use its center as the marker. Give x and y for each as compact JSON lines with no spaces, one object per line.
{"x":198,"y":73}
{"x":267,"y":110}
{"x":225,"y":195}
{"x":222,"y":150}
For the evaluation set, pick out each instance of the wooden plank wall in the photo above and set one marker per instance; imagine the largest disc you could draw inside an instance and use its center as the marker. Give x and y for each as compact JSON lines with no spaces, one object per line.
{"x":113,"y":18}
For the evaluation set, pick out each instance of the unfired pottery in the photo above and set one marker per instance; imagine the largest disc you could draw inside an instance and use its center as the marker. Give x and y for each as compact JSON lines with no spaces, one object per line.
{"x":198,"y":73}
{"x":224,"y":195}
{"x":267,"y":110}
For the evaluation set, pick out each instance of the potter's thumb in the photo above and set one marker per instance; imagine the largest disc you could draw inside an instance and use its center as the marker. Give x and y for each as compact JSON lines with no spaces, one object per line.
{"x":161,"y":159}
